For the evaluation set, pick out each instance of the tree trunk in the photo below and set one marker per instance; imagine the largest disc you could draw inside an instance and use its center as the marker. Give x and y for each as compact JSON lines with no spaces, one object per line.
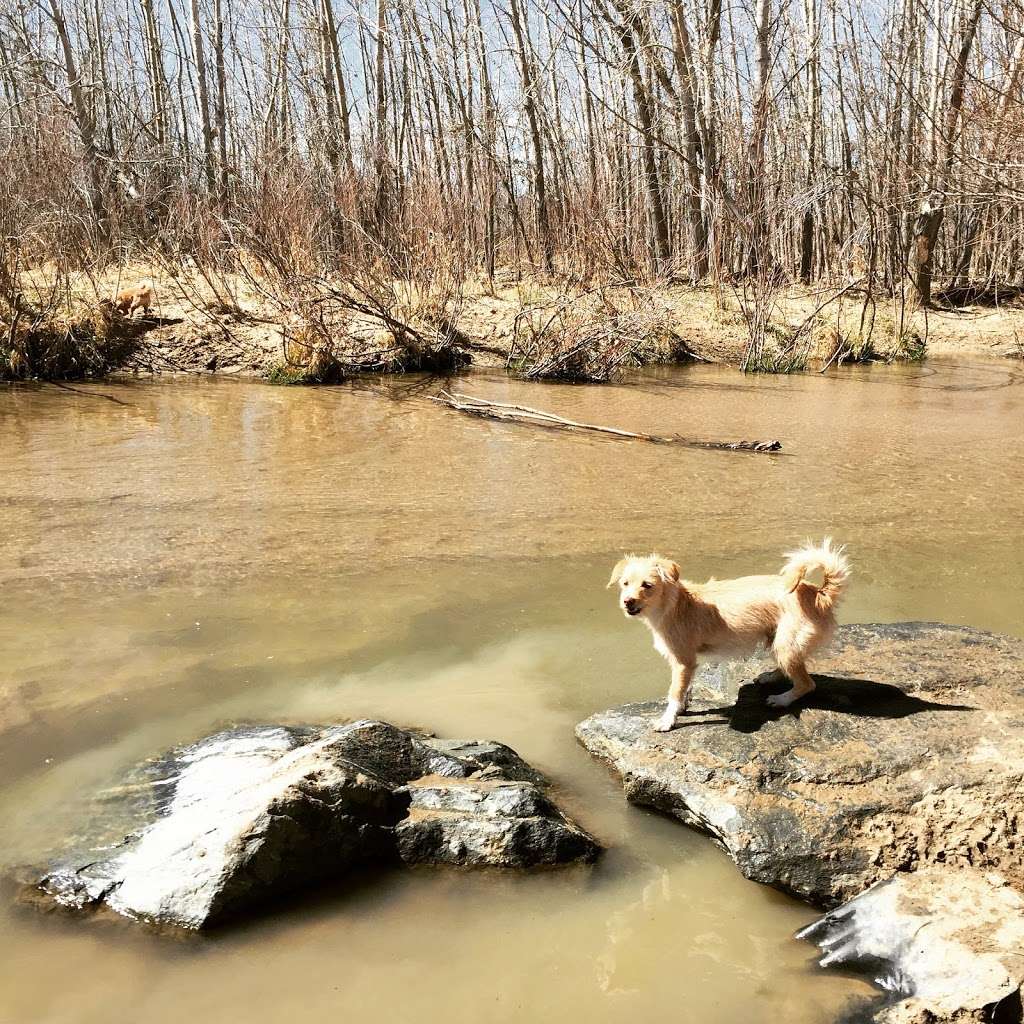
{"x":933,"y":209}
{"x":530,"y":88}
{"x":758,"y":257}
{"x":695,"y":169}
{"x":381,"y":206}
{"x":644,"y":109}
{"x":813,"y":115}
{"x":84,"y":123}
{"x":338,"y":68}
{"x":203,"y":92}
{"x":222,"y":102}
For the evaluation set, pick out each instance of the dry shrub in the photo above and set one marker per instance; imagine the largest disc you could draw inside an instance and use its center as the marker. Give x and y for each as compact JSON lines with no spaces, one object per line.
{"x":40,"y":346}
{"x":591,"y":337}
{"x":773,"y":346}
{"x":388,"y":314}
{"x":833,"y":344}
{"x":340,"y":334}
{"x":309,"y":357}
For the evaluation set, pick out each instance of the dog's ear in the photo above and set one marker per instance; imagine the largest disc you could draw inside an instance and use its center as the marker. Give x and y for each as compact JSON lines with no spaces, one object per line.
{"x":617,"y":571}
{"x":667,"y":570}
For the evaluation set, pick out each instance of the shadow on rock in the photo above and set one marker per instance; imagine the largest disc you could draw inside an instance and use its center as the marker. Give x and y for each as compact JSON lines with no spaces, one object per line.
{"x":861,"y":697}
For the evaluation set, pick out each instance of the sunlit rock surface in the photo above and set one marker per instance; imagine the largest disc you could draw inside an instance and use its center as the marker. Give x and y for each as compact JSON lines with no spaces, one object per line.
{"x":487,"y":820}
{"x":218,"y":828}
{"x":910,"y":752}
{"x":945,"y":944}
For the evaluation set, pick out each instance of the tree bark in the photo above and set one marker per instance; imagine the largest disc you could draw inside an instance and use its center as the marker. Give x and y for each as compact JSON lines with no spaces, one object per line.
{"x":626,"y":31}
{"x":696,"y":168}
{"x":530,"y":92}
{"x":203,"y":92}
{"x":84,"y":123}
{"x":933,"y":209}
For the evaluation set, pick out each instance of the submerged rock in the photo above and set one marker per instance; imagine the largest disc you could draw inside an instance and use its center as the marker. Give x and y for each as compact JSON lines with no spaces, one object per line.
{"x":909,"y":753}
{"x":946,"y":945}
{"x":216,"y":829}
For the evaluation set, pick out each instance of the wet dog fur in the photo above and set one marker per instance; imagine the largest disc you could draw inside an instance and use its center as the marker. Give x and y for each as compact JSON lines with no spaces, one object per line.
{"x":724,"y":619}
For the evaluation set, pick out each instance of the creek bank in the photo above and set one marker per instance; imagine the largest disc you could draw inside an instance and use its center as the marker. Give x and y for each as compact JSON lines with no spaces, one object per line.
{"x":220,"y":828}
{"x":901,"y":775}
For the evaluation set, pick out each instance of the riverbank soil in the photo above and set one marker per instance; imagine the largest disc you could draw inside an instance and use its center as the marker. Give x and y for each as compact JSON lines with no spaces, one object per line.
{"x":236,"y":323}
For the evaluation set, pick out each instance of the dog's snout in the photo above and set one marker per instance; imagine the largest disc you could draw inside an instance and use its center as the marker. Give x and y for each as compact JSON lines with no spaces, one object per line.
{"x":632,"y":605}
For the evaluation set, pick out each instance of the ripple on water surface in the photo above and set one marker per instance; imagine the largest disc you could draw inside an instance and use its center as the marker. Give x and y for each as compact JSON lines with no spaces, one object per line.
{"x":183,"y":554}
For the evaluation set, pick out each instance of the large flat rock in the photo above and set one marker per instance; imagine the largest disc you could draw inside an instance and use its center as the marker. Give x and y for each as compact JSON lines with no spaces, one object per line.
{"x":910,"y":753}
{"x":944,"y":944}
{"x":219,"y":828}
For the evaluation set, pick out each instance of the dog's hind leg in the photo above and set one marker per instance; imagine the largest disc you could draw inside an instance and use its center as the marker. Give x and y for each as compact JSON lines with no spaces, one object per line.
{"x":794,"y":667}
{"x":678,"y":696}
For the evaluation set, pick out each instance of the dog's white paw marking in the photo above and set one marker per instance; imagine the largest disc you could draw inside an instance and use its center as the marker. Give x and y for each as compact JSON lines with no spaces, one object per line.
{"x":668,"y":718}
{"x":781,"y":700}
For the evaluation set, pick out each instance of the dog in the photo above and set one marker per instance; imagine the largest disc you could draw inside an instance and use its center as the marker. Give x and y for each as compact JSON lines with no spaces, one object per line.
{"x":724,"y":619}
{"x":140,"y":296}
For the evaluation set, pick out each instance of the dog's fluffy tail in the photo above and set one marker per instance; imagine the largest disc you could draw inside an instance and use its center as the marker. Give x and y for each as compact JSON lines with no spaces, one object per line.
{"x":825,"y":556}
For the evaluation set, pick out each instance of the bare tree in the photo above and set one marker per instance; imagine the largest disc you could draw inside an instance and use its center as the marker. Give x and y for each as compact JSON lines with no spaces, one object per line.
{"x":944,"y":143}
{"x":599,"y":139}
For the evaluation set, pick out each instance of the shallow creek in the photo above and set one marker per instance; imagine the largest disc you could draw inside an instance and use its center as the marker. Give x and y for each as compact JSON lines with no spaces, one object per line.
{"x":180,"y":554}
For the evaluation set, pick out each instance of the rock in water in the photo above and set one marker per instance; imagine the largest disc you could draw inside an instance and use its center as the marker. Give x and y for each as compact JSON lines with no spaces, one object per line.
{"x":945,"y":944}
{"x":910,"y":752}
{"x":220,"y":827}
{"x":487,"y":820}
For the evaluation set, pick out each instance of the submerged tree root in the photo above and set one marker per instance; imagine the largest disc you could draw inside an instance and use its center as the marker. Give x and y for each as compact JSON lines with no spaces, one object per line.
{"x":538,"y":418}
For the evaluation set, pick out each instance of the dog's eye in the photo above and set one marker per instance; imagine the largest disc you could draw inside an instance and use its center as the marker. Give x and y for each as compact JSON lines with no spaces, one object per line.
{"x":645,"y":585}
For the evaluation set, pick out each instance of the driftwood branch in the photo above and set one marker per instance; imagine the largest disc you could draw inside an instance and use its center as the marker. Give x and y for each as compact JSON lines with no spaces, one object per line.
{"x":539,"y":418}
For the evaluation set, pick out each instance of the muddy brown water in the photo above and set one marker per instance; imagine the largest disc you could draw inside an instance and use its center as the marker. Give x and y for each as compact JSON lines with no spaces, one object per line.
{"x":181,"y":554}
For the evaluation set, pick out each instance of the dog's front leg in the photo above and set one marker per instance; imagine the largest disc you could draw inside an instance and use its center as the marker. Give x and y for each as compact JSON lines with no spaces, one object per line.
{"x":678,"y":696}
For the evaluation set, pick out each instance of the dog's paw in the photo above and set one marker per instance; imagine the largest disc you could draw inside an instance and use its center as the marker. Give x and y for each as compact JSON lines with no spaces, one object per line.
{"x":664,"y":724}
{"x":779,"y":700}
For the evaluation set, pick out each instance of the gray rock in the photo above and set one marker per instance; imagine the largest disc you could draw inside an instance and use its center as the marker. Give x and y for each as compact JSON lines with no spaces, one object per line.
{"x":910,"y":753}
{"x":944,"y":944}
{"x":218,"y":828}
{"x":484,"y":753}
{"x":488,"y":820}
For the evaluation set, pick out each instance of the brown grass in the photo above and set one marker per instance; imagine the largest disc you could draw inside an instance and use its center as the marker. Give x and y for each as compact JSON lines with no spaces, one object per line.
{"x":246,"y":319}
{"x":592,"y":338}
{"x":38,"y":346}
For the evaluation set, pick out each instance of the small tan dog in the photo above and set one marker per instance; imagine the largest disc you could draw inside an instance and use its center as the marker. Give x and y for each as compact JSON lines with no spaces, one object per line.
{"x":140,"y":296}
{"x":724,"y":619}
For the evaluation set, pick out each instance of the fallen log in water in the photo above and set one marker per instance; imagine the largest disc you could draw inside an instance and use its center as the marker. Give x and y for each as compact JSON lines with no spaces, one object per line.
{"x":538,"y":417}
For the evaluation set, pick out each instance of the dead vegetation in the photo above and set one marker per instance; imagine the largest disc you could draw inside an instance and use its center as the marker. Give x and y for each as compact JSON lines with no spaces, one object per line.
{"x":365,"y":318}
{"x":592,"y":338}
{"x":390,"y":148}
{"x":39,"y":346}
{"x":326,"y":349}
{"x":294,"y":321}
{"x":47,"y":342}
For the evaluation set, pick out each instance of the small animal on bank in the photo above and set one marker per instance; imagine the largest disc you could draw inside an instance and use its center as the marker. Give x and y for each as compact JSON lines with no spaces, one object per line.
{"x":139,"y":296}
{"x":725,"y":619}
